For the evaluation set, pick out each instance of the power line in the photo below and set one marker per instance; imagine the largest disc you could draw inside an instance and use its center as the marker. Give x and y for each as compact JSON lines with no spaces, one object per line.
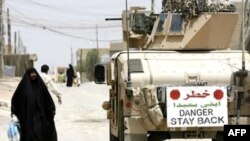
{"x":59,"y":25}
{"x":1,"y":41}
{"x":33,"y":23}
{"x":79,"y":10}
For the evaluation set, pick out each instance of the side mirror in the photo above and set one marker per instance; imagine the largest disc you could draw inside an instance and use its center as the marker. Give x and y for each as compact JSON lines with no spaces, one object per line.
{"x":99,"y":74}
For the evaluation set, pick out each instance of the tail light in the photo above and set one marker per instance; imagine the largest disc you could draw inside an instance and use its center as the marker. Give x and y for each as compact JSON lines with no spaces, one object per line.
{"x":128,"y":104}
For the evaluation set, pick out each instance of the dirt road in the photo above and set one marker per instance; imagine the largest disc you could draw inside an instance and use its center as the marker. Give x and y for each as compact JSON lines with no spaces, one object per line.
{"x":80,"y":117}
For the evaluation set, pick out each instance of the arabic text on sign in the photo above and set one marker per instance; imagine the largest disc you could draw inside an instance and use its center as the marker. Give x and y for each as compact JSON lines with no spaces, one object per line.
{"x":197,"y":95}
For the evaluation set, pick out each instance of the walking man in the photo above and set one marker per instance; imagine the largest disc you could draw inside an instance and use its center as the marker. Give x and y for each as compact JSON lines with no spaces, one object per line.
{"x":50,"y":83}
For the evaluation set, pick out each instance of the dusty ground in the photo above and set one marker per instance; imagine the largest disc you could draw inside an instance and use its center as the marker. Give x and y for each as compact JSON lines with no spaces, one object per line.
{"x":79,"y":118}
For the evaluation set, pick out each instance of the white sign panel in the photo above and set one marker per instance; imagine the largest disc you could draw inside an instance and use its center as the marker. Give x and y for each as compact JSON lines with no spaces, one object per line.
{"x":197,"y":106}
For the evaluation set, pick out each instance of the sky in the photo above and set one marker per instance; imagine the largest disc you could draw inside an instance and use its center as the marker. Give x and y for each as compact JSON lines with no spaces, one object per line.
{"x":53,"y":29}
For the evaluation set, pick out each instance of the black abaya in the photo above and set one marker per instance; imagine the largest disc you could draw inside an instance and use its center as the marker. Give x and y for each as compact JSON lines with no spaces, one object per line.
{"x":70,"y":76}
{"x":34,"y":108}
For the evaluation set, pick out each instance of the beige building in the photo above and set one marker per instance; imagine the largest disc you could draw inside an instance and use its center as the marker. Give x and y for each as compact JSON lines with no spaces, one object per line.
{"x":116,"y":47}
{"x":82,"y":53}
{"x":104,"y":53}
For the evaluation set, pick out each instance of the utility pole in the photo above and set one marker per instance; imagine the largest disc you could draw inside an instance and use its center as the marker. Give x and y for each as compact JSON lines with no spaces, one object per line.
{"x":97,"y":44}
{"x":71,"y":55}
{"x":15,"y":46}
{"x":152,"y":5}
{"x":129,"y":83}
{"x":1,"y":40}
{"x":9,"y":32}
{"x":81,"y":65}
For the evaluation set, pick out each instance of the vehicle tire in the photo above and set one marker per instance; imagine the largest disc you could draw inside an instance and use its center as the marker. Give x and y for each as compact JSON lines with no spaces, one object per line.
{"x":121,"y":122}
{"x":120,"y":125}
{"x":219,"y":136}
{"x":158,"y":136}
{"x":113,"y":138}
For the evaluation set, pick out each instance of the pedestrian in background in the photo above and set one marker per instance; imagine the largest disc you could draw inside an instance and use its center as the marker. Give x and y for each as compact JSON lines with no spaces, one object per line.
{"x":50,"y":83}
{"x":70,"y":73}
{"x":78,"y":79}
{"x":34,"y":107}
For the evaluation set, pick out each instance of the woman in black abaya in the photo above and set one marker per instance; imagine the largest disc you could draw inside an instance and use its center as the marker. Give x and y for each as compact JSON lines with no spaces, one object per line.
{"x":70,"y":76}
{"x":34,"y":107}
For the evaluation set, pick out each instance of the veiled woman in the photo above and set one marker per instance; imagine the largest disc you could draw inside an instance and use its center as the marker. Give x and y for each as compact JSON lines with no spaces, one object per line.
{"x":70,"y":76}
{"x":34,"y":107}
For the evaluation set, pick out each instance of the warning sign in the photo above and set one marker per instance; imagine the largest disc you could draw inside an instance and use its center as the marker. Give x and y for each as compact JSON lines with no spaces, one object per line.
{"x":200,"y":106}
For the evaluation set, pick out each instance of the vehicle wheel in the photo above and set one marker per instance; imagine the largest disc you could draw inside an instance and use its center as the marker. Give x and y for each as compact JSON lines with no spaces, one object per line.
{"x":113,"y":138}
{"x":120,"y":125}
{"x":121,"y":122}
{"x":219,"y":136}
{"x":158,"y":136}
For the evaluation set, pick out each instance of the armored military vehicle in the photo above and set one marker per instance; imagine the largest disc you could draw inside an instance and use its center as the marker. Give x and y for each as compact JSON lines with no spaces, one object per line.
{"x":184,"y":75}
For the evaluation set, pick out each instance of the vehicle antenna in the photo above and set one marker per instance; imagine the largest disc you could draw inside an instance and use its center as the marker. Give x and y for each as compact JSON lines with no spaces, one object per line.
{"x":129,"y":83}
{"x":242,"y":74}
{"x":243,"y":36}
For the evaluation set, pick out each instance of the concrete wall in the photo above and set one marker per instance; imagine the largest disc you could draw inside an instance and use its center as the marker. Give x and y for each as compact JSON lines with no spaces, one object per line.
{"x":20,"y":62}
